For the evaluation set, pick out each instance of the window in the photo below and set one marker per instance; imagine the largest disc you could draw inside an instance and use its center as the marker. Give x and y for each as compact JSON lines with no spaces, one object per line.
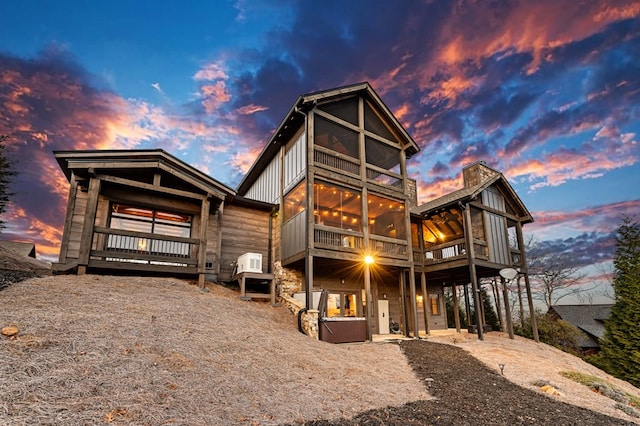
{"x":342,"y":305}
{"x":295,"y":201}
{"x":149,"y":221}
{"x":386,"y":217}
{"x":336,"y":138}
{"x":374,"y":124}
{"x":434,"y":300}
{"x":337,"y":207}
{"x":382,"y":155}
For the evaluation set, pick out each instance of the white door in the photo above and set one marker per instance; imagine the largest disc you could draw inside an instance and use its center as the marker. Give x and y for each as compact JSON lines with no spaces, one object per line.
{"x":383,"y":317}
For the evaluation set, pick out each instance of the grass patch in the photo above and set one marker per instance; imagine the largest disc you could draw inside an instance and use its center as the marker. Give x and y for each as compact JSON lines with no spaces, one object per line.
{"x":626,"y":402}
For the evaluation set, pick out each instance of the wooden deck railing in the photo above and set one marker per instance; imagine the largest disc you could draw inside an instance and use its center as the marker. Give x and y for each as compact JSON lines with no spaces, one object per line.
{"x":144,"y":248}
{"x":342,"y":239}
{"x":452,"y":250}
{"x":340,"y":163}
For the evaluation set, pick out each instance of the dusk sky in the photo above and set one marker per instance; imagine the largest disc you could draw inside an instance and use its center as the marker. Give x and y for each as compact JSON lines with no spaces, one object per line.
{"x":546,"y":91}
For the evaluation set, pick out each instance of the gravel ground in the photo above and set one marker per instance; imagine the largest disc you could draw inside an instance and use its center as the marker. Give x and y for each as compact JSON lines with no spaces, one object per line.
{"x":469,"y":393}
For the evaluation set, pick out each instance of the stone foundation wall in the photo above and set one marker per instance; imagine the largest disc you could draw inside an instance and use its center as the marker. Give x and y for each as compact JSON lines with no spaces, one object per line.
{"x":288,"y":281}
{"x":309,"y":319}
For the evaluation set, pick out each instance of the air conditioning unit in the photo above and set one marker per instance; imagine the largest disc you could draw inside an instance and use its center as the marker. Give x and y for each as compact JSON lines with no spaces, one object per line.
{"x":250,"y":262}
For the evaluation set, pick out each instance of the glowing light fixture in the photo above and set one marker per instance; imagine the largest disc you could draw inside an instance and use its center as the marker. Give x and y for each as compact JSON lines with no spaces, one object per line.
{"x":368,"y":259}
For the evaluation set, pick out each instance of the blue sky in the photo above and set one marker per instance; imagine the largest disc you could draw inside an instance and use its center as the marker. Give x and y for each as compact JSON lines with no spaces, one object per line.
{"x":545,"y":91}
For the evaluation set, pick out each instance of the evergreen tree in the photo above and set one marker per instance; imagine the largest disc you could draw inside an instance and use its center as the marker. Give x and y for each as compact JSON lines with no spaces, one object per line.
{"x":490,"y":315}
{"x":451,"y":321}
{"x":620,"y":354}
{"x":6,"y":176}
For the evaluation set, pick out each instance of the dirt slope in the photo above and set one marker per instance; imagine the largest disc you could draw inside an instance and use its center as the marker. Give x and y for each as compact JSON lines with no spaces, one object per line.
{"x":134,"y":350}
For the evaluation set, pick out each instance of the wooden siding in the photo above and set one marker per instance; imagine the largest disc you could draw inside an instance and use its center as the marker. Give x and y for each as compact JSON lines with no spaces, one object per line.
{"x":245,"y":231}
{"x":293,"y":235}
{"x":492,"y":198}
{"x":267,"y":186}
{"x":295,"y":162}
{"x":77,"y":220}
{"x":498,"y":239}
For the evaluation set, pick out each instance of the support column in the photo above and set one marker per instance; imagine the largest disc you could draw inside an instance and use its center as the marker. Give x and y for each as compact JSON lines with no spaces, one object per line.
{"x":202,"y":247}
{"x":367,"y":291}
{"x":403,"y":303}
{"x":523,"y":266}
{"x":472,"y":271}
{"x":456,"y":309}
{"x":507,"y":308}
{"x":414,"y":303}
{"x":425,"y":297}
{"x":86,"y":240}
{"x":71,"y":205}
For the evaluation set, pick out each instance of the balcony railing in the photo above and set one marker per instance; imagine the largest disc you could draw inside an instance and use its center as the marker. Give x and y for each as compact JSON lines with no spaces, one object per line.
{"x":340,"y":163}
{"x":116,"y":245}
{"x":338,"y":239}
{"x":384,"y":178}
{"x":452,"y":250}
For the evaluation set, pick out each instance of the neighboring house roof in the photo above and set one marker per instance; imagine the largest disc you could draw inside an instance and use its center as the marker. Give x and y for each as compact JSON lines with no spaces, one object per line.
{"x":22,"y":249}
{"x":471,"y":192}
{"x":296,"y":116}
{"x":74,"y":161}
{"x":587,"y":318}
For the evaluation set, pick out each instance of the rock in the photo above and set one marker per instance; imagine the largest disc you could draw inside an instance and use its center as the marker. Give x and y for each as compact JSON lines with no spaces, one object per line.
{"x":10,"y":330}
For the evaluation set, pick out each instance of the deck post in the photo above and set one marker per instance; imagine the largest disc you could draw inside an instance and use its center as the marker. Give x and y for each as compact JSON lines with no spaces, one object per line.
{"x":472,"y":271}
{"x":202,"y":247}
{"x":86,"y":240}
{"x":456,"y":309}
{"x":425,"y":297}
{"x":71,"y":205}
{"x":507,"y":308}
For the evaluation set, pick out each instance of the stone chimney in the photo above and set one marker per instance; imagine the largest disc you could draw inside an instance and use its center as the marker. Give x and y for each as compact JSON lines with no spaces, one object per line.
{"x":477,"y":173}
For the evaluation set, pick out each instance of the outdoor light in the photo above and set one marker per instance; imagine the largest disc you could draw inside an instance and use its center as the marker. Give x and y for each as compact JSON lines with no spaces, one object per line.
{"x":368,"y":259}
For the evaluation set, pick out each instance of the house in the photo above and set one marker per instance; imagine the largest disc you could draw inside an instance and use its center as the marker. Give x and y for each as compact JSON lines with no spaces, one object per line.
{"x":588,"y":319}
{"x":327,"y":209}
{"x":147,"y":211}
{"x":471,"y":234}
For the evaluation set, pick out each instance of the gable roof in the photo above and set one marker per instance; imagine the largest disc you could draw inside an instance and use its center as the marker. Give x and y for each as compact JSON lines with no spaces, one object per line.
{"x":82,"y":161}
{"x":587,"y":318}
{"x":297,"y":116}
{"x":471,"y":192}
{"x":22,"y":249}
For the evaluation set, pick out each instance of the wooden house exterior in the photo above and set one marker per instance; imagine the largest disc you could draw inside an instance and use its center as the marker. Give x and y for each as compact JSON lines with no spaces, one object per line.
{"x":141,"y":210}
{"x":336,"y":168}
{"x":328,"y":198}
{"x":467,"y":235}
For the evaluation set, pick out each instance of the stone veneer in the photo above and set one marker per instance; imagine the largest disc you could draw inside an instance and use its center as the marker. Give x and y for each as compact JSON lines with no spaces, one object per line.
{"x":289,"y":282}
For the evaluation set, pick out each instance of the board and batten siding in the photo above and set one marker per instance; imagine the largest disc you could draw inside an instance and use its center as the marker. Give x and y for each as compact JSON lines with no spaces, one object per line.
{"x":295,"y":162}
{"x":293,"y":235}
{"x":267,"y":187}
{"x":498,"y":238}
{"x":245,"y":231}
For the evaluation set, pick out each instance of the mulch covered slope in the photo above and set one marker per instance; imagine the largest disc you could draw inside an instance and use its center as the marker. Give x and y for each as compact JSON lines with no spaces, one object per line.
{"x":469,"y":393}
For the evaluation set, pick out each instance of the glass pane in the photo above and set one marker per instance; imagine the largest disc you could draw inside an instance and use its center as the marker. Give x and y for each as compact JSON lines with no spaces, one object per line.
{"x":333,"y":305}
{"x":337,"y":207}
{"x":335,"y":137}
{"x":435,"y":304}
{"x":346,"y":110}
{"x":382,"y":155}
{"x":373,"y":123}
{"x":295,"y":201}
{"x":386,"y":217}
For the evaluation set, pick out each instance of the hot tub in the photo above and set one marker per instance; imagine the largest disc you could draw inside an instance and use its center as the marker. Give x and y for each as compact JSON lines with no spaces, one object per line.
{"x":342,"y":329}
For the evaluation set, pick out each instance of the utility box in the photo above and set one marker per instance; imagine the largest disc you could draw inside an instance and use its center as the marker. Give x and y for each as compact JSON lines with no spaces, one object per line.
{"x":250,"y":262}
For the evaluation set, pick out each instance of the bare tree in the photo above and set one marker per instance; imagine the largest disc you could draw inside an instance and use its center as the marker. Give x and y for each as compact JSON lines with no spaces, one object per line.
{"x":555,"y":276}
